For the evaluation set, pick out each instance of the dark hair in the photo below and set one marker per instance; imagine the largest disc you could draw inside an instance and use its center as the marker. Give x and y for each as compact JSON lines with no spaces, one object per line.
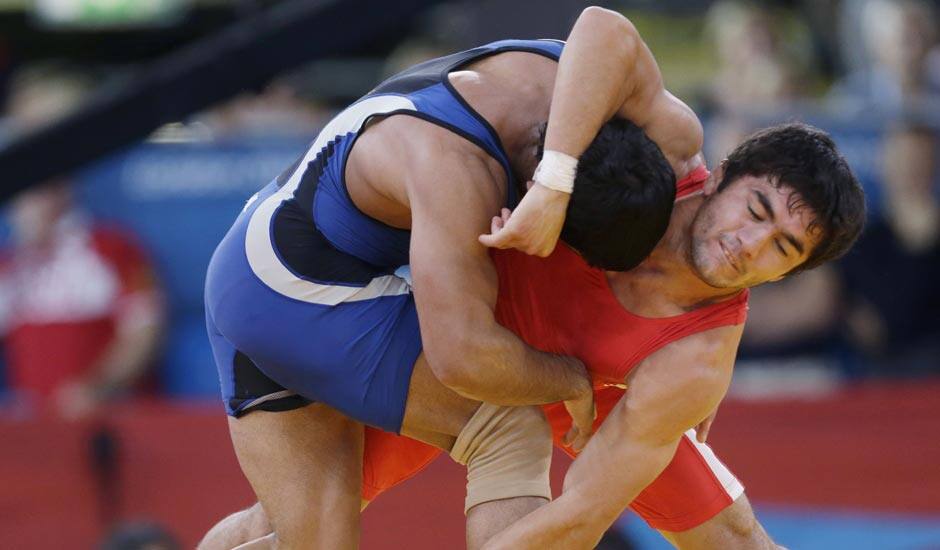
{"x":622,"y":200}
{"x":805,"y":159}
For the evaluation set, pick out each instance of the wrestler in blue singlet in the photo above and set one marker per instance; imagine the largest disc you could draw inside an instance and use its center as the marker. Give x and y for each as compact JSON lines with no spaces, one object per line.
{"x":307,"y":298}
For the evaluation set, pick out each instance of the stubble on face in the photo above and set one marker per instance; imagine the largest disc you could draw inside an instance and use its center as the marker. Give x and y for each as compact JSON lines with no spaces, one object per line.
{"x":700,"y":259}
{"x":715,"y":253}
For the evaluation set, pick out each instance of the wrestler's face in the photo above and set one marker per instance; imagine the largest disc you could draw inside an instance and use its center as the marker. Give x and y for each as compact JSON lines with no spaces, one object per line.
{"x":749,"y":233}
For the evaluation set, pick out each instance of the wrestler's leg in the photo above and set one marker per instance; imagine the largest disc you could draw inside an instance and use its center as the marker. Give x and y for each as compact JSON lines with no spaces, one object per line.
{"x":244,"y":525}
{"x":433,"y":414}
{"x":436,"y":415}
{"x":305,"y":466}
{"x":734,"y":528}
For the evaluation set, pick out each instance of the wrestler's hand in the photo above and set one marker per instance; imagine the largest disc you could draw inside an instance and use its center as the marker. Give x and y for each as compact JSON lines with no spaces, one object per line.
{"x":535,"y":225}
{"x":701,"y":431}
{"x":583,"y":412}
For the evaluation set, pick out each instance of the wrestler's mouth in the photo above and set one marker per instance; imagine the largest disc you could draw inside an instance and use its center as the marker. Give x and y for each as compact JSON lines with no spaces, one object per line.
{"x":729,"y":258}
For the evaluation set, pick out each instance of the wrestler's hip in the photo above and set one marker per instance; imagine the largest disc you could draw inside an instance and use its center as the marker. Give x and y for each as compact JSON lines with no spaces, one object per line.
{"x":351,"y":344}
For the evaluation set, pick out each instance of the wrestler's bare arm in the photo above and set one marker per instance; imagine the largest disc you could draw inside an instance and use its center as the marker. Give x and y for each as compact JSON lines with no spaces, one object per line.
{"x":670,"y":392}
{"x":453,"y":189}
{"x":605,"y":70}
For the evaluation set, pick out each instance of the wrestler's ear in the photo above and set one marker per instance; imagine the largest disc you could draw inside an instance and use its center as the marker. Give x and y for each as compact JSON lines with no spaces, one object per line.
{"x":711,"y":184}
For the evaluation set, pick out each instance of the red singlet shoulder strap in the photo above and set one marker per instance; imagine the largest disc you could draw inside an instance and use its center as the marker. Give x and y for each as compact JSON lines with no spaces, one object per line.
{"x":692,"y":182}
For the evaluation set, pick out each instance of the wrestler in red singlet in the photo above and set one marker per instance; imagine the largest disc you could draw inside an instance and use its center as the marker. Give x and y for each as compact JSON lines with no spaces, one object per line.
{"x":562,"y":305}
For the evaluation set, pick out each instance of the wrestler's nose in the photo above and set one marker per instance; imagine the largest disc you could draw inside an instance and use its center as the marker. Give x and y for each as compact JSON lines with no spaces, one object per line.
{"x":753,"y":238}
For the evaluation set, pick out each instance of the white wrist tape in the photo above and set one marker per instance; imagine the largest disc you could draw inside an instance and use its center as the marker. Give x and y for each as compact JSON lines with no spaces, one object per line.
{"x":556,"y":171}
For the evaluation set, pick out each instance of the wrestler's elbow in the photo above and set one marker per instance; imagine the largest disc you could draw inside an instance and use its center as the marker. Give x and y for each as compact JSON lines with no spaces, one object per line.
{"x":459,"y":362}
{"x":605,"y":20}
{"x":446,"y":365}
{"x":611,"y":28}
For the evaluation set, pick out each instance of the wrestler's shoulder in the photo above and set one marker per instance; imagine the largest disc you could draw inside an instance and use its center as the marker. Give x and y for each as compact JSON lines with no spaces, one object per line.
{"x":705,"y":347}
{"x":404,"y":144}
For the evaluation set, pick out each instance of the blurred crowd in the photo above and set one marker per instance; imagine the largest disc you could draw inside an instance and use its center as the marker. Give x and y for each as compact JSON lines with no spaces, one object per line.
{"x":872,"y":314}
{"x":84,"y":316}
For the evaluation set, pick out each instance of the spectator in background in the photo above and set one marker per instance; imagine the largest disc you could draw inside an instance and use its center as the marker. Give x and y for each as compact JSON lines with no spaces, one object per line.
{"x":901,"y":61}
{"x":762,"y":68}
{"x":81,"y":311}
{"x":891,"y":276}
{"x":278,"y":110}
{"x":753,"y":69}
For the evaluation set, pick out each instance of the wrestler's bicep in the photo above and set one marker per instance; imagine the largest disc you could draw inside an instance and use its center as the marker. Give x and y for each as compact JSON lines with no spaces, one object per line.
{"x":667,"y":394}
{"x":679,"y":385}
{"x":455,"y":285}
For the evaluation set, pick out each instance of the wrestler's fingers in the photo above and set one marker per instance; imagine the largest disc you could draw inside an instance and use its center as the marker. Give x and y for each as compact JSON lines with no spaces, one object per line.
{"x":701,"y":431}
{"x":570,"y":436}
{"x":500,"y":237}
{"x":496,"y":239}
{"x":497,"y":236}
{"x":579,"y":440}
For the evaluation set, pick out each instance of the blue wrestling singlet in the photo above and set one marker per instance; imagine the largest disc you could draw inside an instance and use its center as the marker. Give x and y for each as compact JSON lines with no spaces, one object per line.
{"x":307,"y":298}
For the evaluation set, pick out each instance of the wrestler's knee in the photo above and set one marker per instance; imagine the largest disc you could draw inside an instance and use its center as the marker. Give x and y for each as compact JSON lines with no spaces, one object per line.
{"x":241,"y":527}
{"x":507,"y":451}
{"x":739,"y":520}
{"x":734,"y":528}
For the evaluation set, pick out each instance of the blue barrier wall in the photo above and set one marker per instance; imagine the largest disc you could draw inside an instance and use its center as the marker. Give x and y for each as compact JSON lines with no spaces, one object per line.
{"x":180,"y":200}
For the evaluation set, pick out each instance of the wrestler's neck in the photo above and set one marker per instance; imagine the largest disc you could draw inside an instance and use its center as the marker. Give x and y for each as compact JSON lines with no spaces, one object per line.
{"x":515,"y":110}
{"x":665,"y":283}
{"x":522,"y":138}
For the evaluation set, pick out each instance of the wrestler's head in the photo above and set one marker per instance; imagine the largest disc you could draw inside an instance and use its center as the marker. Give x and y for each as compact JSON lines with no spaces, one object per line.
{"x":624,"y":191}
{"x":782,"y":202}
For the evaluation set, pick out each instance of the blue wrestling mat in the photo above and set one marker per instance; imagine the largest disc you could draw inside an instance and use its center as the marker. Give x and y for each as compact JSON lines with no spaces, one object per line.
{"x":808,"y":529}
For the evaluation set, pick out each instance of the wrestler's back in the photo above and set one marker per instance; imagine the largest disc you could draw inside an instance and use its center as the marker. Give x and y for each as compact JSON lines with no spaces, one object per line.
{"x":510,"y":90}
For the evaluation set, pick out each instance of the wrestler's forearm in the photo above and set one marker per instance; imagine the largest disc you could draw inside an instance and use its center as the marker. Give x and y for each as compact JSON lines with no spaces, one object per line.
{"x":596,"y":493}
{"x":495,"y":366}
{"x":592,"y":81}
{"x":605,"y":70}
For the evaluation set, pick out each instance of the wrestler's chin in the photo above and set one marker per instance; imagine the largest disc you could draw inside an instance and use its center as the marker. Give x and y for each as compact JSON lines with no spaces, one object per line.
{"x":714,"y":272}
{"x":716,"y":279}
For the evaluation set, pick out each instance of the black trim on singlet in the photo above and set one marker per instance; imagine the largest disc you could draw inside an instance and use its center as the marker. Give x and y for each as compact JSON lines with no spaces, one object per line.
{"x":303,"y":248}
{"x":311,"y":177}
{"x":307,"y":253}
{"x":425,"y":74}
{"x":437,"y":70}
{"x":250,"y":384}
{"x":486,"y":124}
{"x":286,"y":174}
{"x":427,"y":118}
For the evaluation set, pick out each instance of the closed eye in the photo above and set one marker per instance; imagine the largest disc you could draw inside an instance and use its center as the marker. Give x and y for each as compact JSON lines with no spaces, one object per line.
{"x":780,"y":247}
{"x":754,"y":214}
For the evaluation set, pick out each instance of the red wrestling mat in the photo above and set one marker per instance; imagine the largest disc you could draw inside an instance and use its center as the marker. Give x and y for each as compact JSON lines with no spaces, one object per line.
{"x":872,"y":447}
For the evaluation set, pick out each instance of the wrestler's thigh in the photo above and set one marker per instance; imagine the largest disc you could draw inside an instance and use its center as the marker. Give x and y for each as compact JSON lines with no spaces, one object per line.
{"x":305,"y":466}
{"x":434,"y":413}
{"x":734,"y":528}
